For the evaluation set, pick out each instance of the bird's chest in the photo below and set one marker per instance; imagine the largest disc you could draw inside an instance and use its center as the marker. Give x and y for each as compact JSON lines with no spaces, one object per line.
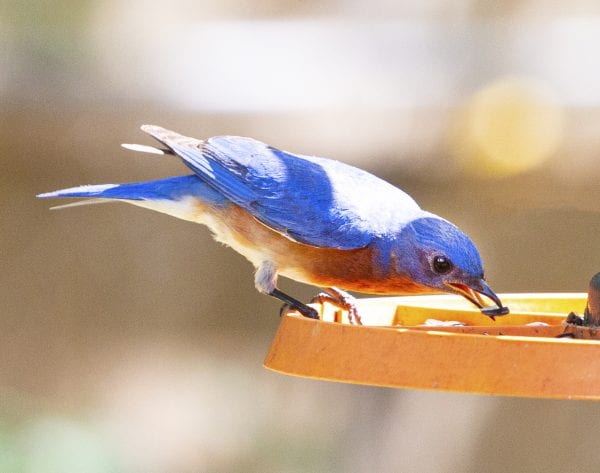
{"x":360,"y":270}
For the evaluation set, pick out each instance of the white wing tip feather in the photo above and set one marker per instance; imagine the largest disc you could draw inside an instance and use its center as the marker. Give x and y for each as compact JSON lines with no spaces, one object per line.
{"x":143,"y":148}
{"x":89,"y":189}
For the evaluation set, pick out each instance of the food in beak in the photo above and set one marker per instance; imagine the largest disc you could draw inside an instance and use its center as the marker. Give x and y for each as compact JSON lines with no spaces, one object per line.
{"x":473,"y":293}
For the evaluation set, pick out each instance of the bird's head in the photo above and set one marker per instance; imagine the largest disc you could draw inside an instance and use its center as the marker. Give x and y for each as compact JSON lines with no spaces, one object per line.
{"x":438,"y":255}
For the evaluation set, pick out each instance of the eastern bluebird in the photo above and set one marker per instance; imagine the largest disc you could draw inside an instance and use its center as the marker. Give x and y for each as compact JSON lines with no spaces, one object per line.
{"x":311,"y":219}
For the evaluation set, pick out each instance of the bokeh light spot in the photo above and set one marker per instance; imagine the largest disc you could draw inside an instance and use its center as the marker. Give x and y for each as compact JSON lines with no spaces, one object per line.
{"x":510,"y":126}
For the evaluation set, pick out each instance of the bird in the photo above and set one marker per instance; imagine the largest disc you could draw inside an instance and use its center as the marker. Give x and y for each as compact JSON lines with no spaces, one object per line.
{"x":314,"y":220}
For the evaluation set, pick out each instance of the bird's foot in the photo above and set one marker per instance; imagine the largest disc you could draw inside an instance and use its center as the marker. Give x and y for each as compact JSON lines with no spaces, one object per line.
{"x":305,"y":310}
{"x":341,"y":300}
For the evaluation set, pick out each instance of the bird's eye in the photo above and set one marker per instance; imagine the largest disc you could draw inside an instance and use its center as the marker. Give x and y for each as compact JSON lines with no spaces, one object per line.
{"x":442,"y":265}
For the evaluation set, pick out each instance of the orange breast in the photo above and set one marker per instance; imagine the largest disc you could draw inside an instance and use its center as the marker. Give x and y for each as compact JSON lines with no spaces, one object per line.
{"x":352,"y":270}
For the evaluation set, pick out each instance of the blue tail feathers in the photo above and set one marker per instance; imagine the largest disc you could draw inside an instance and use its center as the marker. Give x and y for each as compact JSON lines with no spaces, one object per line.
{"x":171,"y":188}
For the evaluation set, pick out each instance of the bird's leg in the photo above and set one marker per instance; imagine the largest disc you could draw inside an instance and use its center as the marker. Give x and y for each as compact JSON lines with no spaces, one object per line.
{"x":342,"y":300}
{"x":291,"y":303}
{"x":265,"y":281}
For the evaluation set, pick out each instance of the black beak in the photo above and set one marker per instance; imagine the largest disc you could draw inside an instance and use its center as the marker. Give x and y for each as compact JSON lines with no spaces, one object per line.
{"x":473,"y":292}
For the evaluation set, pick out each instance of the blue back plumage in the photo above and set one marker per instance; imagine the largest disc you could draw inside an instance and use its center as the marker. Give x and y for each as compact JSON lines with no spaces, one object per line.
{"x":311,"y":200}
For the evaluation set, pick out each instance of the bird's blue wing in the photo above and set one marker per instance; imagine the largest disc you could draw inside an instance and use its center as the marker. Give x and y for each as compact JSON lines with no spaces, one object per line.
{"x":314,"y":201}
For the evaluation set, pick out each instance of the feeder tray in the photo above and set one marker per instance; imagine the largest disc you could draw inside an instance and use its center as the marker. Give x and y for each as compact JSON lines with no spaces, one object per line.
{"x":408,"y":342}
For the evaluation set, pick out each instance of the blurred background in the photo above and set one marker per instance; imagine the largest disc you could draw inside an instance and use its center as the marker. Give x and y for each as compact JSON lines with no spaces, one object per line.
{"x":130,"y":342}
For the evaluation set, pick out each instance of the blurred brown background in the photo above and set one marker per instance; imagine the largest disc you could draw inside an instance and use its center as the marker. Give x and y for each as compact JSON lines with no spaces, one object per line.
{"x":131,"y":342}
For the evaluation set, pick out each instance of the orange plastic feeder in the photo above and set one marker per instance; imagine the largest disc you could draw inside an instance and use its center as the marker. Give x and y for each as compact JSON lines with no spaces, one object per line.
{"x":409,"y":342}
